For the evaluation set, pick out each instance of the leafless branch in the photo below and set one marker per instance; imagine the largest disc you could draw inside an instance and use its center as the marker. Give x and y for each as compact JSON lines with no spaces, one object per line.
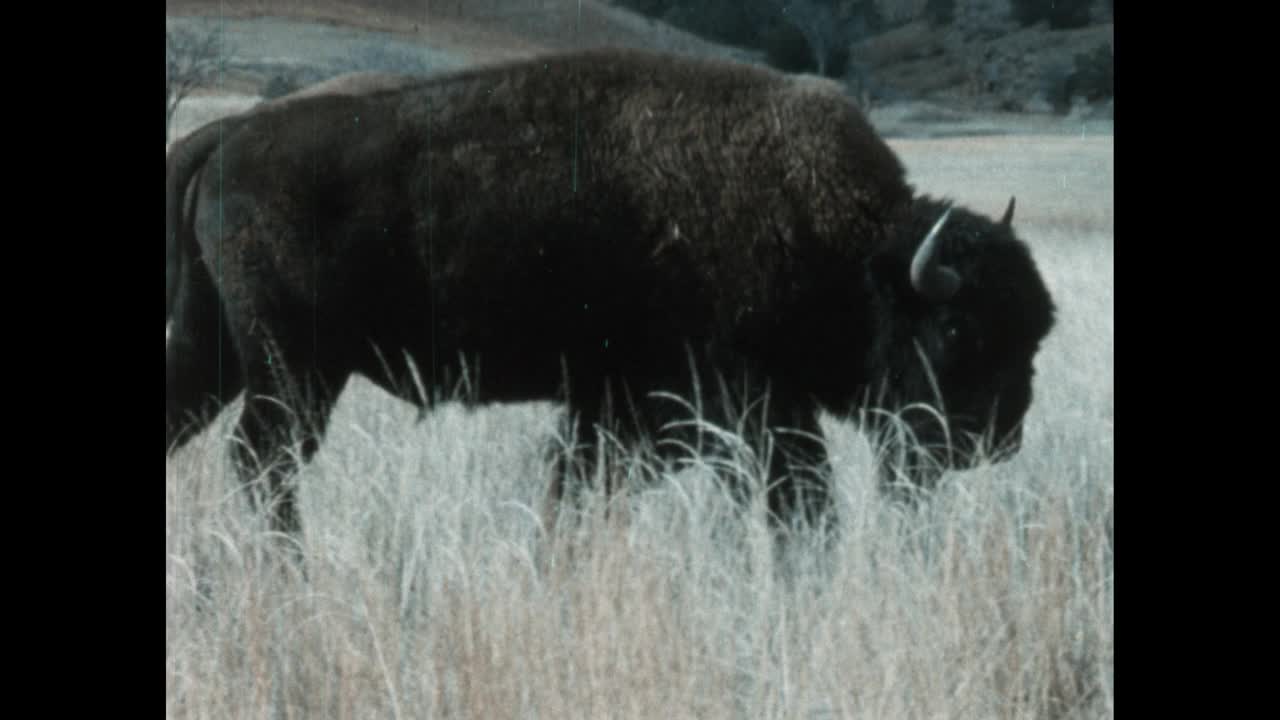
{"x":193,"y":59}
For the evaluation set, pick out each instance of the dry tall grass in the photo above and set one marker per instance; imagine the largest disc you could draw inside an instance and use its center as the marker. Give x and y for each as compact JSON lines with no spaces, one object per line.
{"x":432,"y":592}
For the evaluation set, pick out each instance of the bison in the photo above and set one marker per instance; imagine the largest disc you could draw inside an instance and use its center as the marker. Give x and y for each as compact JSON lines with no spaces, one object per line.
{"x":602,"y":228}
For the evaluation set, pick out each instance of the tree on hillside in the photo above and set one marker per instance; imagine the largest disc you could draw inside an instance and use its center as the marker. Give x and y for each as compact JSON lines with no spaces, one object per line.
{"x":796,"y":35}
{"x":1061,"y":14}
{"x":817,"y":22}
{"x":193,"y":59}
{"x":826,"y":34}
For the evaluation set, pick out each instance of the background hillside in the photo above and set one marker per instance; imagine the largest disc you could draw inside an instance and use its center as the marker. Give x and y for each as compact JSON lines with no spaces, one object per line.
{"x":921,"y":67}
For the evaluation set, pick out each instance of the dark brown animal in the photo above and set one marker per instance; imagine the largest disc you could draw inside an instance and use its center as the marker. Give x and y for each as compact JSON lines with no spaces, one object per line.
{"x":593,"y":227}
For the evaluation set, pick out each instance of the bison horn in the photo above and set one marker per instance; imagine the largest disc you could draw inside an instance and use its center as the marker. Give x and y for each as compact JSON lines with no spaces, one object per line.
{"x":1008,"y":214}
{"x":928,"y":276}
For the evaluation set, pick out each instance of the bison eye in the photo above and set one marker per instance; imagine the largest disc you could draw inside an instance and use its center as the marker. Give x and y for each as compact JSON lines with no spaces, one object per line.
{"x":959,"y":339}
{"x":951,"y":334}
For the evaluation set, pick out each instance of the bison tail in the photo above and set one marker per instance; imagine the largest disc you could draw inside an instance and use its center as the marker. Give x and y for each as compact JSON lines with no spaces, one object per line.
{"x":172,"y":250}
{"x":183,"y":162}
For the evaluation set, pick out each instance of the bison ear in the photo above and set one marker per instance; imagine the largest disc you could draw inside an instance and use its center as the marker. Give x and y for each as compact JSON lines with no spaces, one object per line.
{"x":1007,"y":220}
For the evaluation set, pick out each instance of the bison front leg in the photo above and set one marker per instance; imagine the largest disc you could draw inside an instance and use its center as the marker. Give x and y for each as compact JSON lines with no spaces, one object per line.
{"x":587,"y":455}
{"x":576,"y":462}
{"x":907,"y":476}
{"x":781,"y":428}
{"x":907,"y":470}
{"x":800,"y":473}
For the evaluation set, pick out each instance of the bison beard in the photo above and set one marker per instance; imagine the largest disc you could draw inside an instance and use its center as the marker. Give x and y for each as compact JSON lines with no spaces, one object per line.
{"x":601,"y":228}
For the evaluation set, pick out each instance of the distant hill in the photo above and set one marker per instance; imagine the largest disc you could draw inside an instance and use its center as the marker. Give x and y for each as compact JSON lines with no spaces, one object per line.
{"x":484,"y":30}
{"x":981,"y":62}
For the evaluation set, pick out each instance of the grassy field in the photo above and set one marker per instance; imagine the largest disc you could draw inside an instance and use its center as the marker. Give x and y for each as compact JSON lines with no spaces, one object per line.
{"x":432,"y":592}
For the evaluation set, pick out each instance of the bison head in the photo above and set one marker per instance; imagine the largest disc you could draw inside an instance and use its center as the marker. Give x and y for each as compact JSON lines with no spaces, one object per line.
{"x":959,"y":311}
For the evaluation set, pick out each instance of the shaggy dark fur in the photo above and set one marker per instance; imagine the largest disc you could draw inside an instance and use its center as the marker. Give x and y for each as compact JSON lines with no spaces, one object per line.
{"x":624,"y":220}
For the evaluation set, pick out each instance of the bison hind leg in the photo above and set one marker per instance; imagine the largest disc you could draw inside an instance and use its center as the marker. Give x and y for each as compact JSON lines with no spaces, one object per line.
{"x":202,"y":368}
{"x":800,"y":477}
{"x":580,"y":462}
{"x":601,"y":428}
{"x":782,"y":430}
{"x":284,"y":419}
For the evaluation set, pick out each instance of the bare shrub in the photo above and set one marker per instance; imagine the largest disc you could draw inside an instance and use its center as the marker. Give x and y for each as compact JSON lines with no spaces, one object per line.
{"x":194,"y":58}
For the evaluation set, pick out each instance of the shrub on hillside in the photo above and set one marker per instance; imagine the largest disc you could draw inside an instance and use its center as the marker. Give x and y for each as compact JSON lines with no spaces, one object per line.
{"x":1061,"y":14}
{"x":1092,"y":77}
{"x":728,"y":21}
{"x":1058,"y":85}
{"x":649,"y":8}
{"x":786,"y":48}
{"x":280,"y":85}
{"x":869,"y":19}
{"x":1095,"y":73}
{"x":940,"y":12}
